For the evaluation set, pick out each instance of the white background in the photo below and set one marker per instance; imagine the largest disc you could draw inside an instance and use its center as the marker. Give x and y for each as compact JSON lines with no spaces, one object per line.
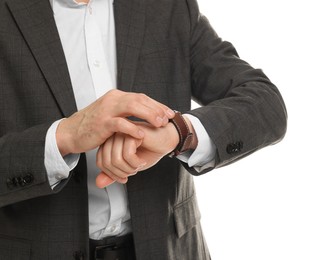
{"x":270,"y":204}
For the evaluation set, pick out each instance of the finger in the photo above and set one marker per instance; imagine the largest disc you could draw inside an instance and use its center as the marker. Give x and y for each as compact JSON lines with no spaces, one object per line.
{"x":100,"y":156}
{"x":130,"y":153}
{"x":125,"y":126}
{"x":163,"y":111}
{"x":104,"y":167}
{"x":111,"y":177}
{"x":161,"y":119}
{"x":107,"y":162}
{"x":167,"y":111}
{"x":150,"y":111}
{"x":146,"y":108}
{"x":116,"y":178}
{"x":103,"y":180}
{"x":119,"y":165}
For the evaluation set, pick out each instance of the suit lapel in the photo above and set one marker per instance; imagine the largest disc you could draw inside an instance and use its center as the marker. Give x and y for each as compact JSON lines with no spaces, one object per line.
{"x":36,"y":22}
{"x":130,"y":29}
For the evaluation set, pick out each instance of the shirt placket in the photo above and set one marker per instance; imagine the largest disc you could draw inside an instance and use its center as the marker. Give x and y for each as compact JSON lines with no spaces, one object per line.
{"x":98,"y":65}
{"x":103,"y":82}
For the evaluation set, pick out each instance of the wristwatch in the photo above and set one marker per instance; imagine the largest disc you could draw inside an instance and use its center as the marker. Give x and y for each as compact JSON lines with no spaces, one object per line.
{"x":185,"y":136}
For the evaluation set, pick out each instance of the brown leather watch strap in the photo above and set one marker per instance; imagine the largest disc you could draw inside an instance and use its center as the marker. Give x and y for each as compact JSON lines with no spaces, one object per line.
{"x":185,"y":136}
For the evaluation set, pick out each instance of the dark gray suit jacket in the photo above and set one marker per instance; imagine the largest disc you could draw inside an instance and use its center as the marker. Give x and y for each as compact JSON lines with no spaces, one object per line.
{"x":166,"y":49}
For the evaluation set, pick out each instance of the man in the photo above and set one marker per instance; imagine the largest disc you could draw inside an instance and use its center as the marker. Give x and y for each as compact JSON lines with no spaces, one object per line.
{"x":62,"y":123}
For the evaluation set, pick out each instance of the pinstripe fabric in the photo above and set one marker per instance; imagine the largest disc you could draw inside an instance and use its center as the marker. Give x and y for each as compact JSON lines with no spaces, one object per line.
{"x":165,"y":49}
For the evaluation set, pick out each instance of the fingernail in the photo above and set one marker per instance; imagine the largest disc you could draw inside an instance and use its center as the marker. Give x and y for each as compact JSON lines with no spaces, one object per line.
{"x":170,"y":112}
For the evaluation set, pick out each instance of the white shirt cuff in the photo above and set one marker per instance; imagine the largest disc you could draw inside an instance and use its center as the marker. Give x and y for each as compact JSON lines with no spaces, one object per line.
{"x":57,"y":167}
{"x":204,"y":155}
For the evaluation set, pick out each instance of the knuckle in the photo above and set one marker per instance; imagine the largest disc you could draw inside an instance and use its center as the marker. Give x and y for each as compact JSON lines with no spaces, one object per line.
{"x":118,"y":161}
{"x":106,"y":164}
{"x":123,"y":180}
{"x":127,"y":155}
{"x":133,"y":174}
{"x":131,"y":105}
{"x":130,"y":158}
{"x":112,"y":92}
{"x":159,"y":111}
{"x":143,"y":96}
{"x":117,"y":176}
{"x":121,"y":175}
{"x":102,"y":135}
{"x":118,"y":123}
{"x":113,"y":177}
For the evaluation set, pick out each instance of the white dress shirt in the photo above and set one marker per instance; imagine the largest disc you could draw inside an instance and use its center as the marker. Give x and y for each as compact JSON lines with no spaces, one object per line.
{"x":87,"y":33}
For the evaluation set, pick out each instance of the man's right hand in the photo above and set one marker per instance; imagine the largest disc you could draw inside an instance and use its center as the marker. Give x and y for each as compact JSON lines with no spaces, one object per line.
{"x":93,"y":125}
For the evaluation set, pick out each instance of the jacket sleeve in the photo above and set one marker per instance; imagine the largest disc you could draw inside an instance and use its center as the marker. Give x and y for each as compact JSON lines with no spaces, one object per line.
{"x":22,"y":171}
{"x":241,"y":109}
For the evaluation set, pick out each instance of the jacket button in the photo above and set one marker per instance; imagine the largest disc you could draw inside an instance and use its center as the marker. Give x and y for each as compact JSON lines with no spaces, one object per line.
{"x":20,"y":181}
{"x":15,"y":181}
{"x":235,"y":147}
{"x":28,"y":179}
{"x":10,"y":184}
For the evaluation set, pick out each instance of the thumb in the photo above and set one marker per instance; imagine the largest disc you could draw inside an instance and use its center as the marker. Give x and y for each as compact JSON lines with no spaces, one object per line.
{"x":103,"y":180}
{"x":138,"y":142}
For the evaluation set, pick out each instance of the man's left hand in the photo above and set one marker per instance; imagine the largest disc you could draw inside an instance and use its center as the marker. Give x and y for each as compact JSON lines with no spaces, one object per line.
{"x":122,"y":156}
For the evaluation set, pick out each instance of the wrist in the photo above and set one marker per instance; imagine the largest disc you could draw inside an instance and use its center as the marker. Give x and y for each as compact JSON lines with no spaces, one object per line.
{"x":62,"y":138}
{"x":186,"y":134}
{"x":194,"y":140}
{"x":172,"y":137}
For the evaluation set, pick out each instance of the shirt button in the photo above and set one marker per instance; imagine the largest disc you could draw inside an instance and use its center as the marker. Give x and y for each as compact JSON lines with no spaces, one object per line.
{"x":59,"y":177}
{"x":113,"y":228}
{"x":96,"y":63}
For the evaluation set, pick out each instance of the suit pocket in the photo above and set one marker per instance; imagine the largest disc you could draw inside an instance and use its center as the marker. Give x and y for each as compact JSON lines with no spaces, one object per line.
{"x":187,"y":215}
{"x":14,"y":249}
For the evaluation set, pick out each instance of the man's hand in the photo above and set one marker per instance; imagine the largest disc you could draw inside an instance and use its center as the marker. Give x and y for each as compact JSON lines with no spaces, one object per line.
{"x":122,"y":156}
{"x":93,"y":125}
